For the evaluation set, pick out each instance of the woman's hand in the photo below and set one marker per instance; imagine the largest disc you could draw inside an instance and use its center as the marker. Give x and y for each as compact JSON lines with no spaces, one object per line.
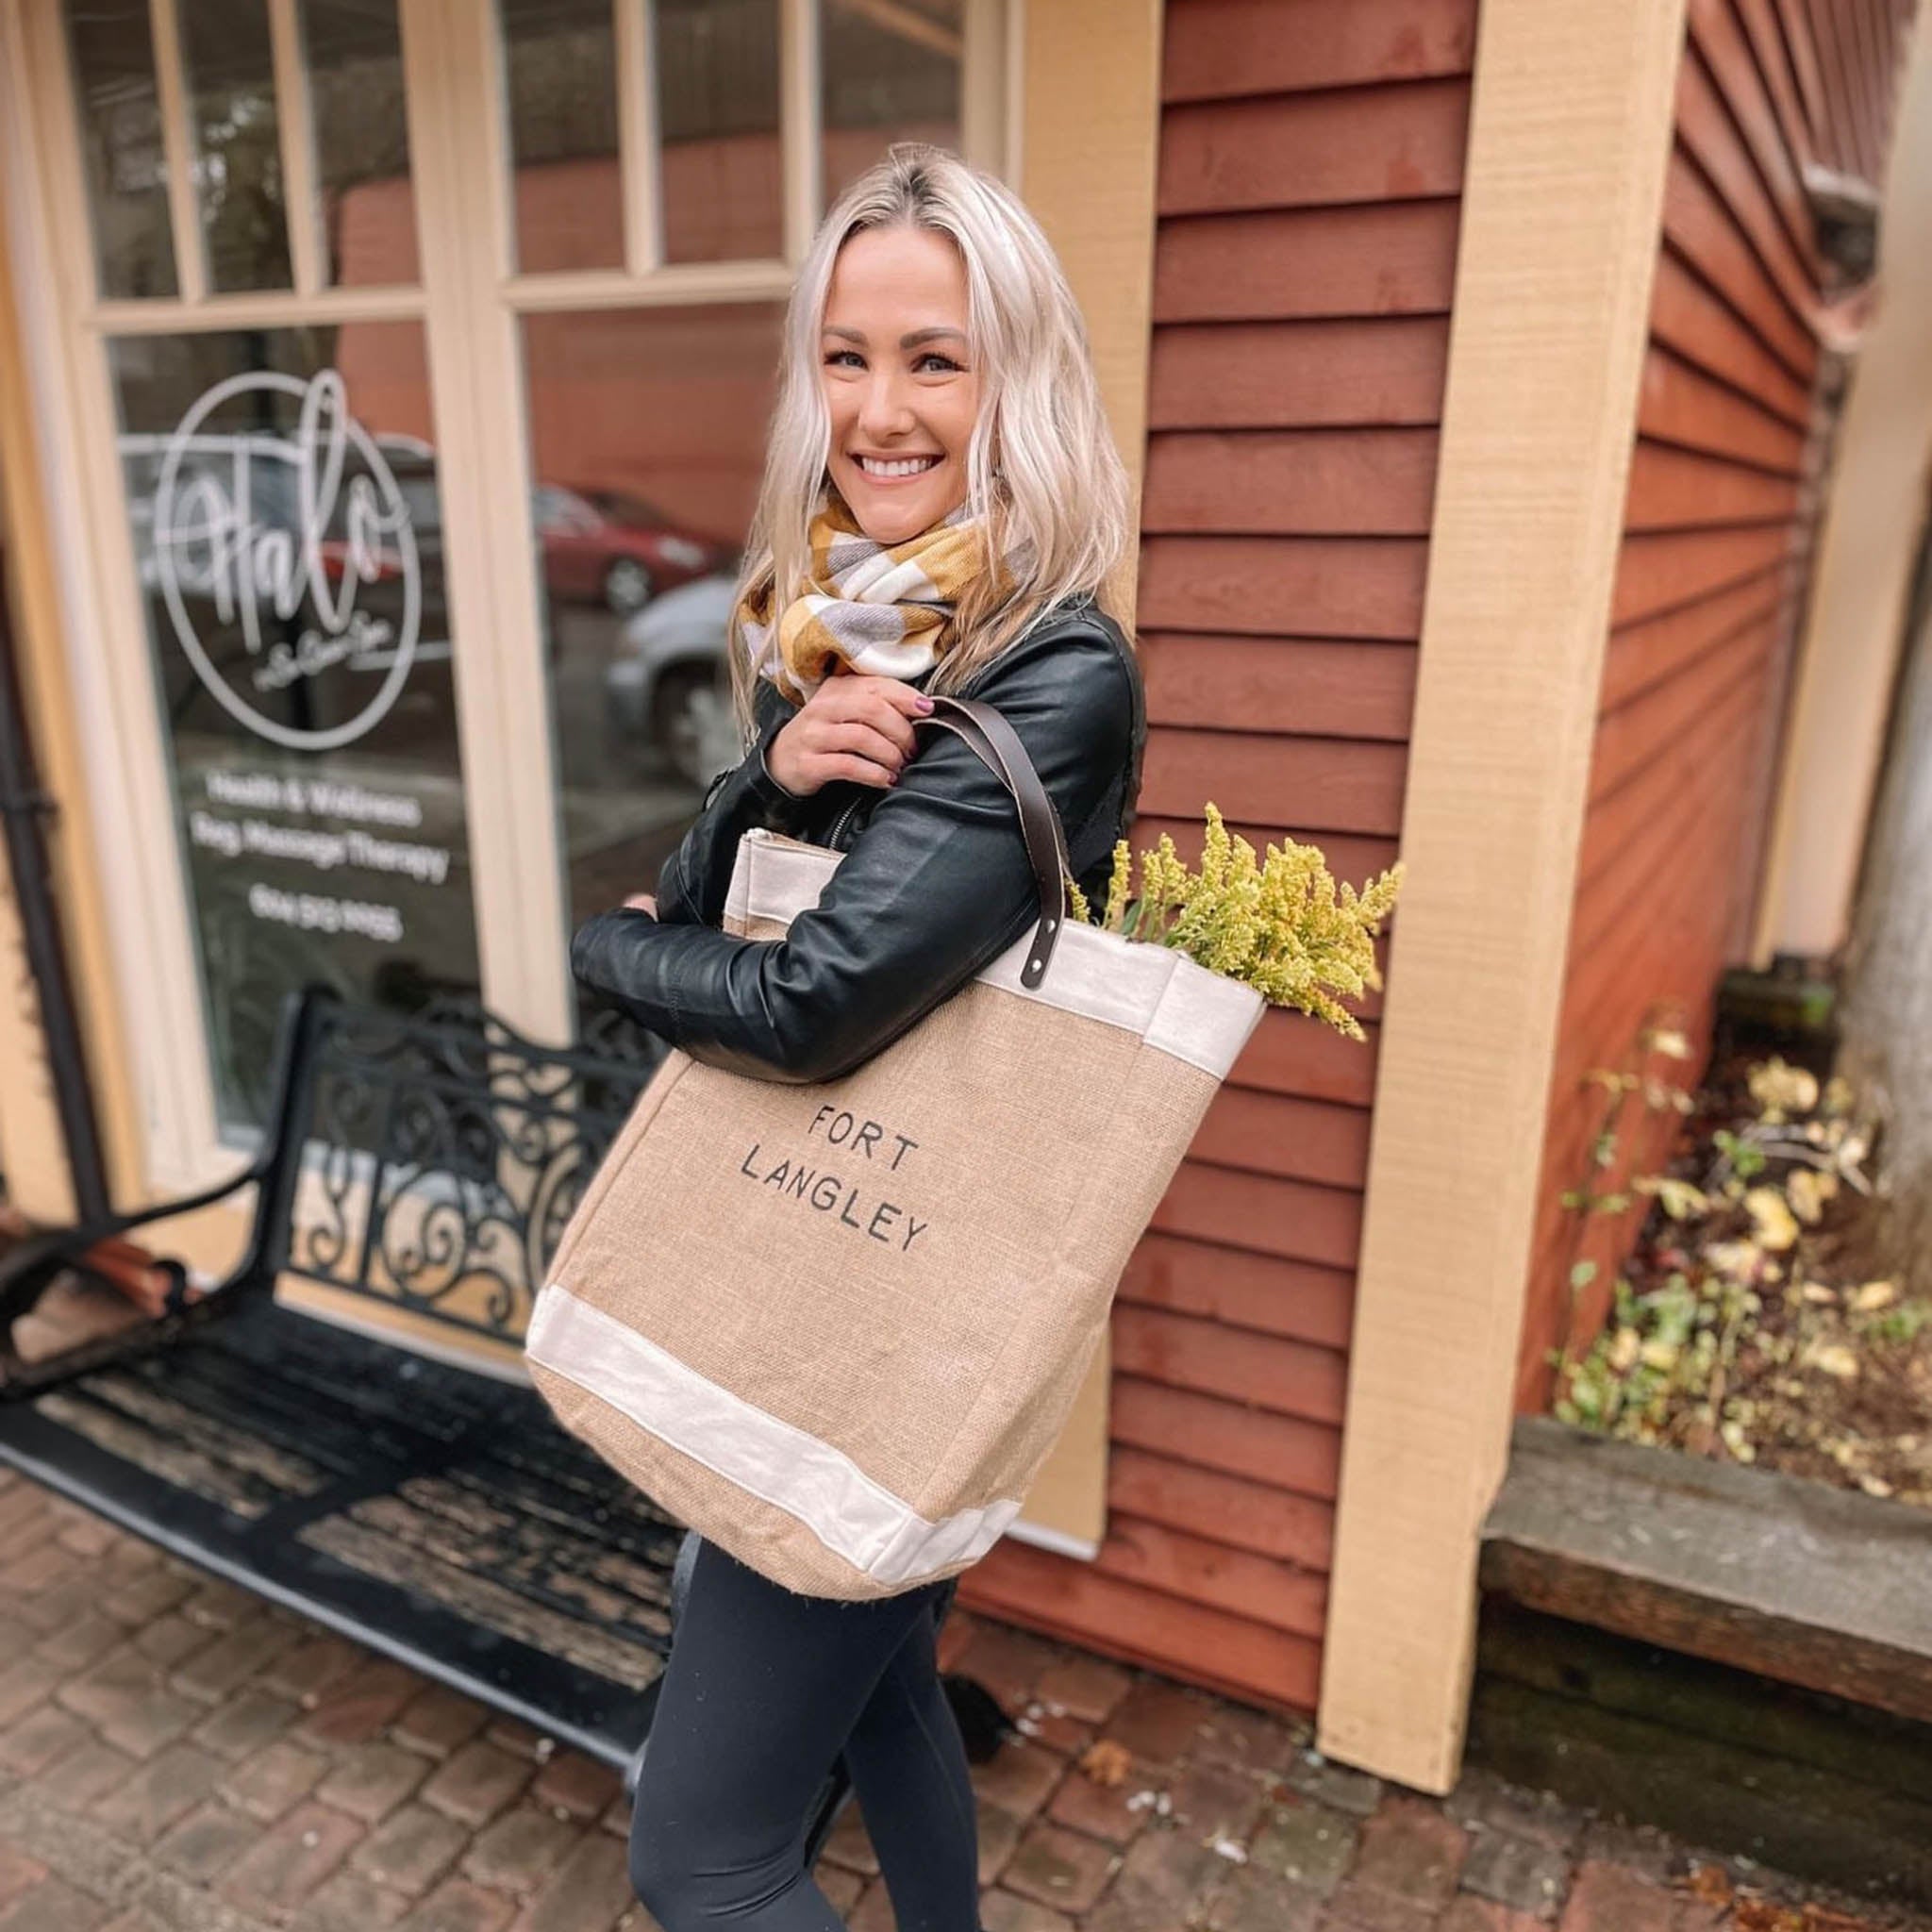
{"x":643,"y":901}
{"x":852,"y":726}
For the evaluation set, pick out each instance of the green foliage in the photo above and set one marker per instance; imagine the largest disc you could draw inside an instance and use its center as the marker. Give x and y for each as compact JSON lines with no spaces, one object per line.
{"x":1896,"y":1328}
{"x":1278,"y":921}
{"x":1746,"y":1157}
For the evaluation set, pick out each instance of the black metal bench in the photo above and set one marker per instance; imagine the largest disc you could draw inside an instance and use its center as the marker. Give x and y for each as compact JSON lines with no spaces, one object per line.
{"x":431,"y":1509}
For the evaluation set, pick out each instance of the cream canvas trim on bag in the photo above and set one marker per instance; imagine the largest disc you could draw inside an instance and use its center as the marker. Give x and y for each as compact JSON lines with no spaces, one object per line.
{"x":1172,"y":1005}
{"x":853,"y":1516}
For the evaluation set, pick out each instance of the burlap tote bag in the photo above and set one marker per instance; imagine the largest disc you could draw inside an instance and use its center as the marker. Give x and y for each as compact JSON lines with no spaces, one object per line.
{"x":836,"y":1329}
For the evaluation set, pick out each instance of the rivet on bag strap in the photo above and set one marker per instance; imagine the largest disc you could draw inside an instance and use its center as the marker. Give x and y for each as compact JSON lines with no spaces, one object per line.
{"x":997,"y":746}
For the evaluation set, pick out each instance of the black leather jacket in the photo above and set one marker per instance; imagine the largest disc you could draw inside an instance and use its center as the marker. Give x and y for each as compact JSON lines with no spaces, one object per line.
{"x":936,"y":883}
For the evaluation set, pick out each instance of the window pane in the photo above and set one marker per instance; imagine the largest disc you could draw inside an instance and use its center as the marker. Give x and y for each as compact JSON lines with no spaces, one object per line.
{"x":888,"y":75}
{"x":121,"y":138}
{"x":718,"y":128}
{"x":354,"y":55}
{"x":282,"y":487}
{"x":229,"y":75}
{"x":560,"y":69}
{"x":647,"y":440}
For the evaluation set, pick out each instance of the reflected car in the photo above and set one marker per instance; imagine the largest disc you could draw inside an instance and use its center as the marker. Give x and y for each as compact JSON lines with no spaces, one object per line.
{"x":216,"y":467}
{"x":605,"y":546}
{"x":668,"y":685}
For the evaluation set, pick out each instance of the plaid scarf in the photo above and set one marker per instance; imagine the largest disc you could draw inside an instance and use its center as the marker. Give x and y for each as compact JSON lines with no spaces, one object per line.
{"x":883,"y":609}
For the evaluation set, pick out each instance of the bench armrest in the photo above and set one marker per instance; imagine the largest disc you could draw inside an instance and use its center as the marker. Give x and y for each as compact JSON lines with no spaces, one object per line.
{"x":30,"y":1267}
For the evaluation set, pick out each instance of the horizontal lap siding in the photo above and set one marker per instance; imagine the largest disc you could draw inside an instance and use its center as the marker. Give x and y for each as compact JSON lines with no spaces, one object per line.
{"x":1309,"y":169}
{"x":1718,"y":525}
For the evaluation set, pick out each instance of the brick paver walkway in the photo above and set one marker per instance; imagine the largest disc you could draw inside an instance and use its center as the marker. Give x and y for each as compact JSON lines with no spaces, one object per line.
{"x":174,"y":1753}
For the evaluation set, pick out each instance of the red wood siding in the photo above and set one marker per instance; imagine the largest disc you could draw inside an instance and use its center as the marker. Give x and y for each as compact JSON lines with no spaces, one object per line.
{"x":1309,"y":171}
{"x":1718,"y":526}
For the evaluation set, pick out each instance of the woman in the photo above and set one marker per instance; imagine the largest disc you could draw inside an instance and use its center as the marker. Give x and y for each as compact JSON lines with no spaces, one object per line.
{"x":941,"y":505}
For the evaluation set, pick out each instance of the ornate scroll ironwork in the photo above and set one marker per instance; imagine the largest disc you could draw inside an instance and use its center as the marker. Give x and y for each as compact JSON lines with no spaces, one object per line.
{"x":444,"y":1155}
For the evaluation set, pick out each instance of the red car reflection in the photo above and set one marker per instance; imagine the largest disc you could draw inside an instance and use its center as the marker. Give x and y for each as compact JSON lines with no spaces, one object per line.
{"x":605,"y":547}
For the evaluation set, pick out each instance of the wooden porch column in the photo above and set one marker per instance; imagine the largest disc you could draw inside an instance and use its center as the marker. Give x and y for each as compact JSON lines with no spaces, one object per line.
{"x":1569,"y":137}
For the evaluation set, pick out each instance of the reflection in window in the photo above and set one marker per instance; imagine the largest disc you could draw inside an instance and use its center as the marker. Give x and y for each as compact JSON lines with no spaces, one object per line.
{"x":559,"y":69}
{"x":120,"y":142}
{"x":889,"y":73}
{"x":354,"y":56}
{"x":647,"y":433}
{"x":287,"y":537}
{"x":722,"y":167}
{"x":237,"y":159}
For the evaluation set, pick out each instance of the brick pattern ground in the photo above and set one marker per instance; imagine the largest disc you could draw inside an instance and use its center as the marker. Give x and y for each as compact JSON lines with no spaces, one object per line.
{"x":178,"y":1757}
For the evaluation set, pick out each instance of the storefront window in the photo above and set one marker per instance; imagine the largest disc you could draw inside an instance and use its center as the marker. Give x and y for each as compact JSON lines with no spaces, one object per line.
{"x":560,"y":75}
{"x":722,"y":167}
{"x":120,"y":140}
{"x":887,"y":75}
{"x":353,"y":58}
{"x":229,"y":71}
{"x":647,"y":433}
{"x":282,"y":486}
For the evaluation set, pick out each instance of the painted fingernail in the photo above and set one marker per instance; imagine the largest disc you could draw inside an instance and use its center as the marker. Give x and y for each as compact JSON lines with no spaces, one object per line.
{"x":926,"y":704}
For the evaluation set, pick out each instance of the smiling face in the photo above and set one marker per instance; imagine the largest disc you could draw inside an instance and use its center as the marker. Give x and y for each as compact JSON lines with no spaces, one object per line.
{"x":899,"y":379}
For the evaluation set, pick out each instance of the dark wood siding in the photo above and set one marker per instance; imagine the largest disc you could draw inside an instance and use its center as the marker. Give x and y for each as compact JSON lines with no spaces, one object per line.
{"x":1732,"y":423}
{"x":1310,"y":173}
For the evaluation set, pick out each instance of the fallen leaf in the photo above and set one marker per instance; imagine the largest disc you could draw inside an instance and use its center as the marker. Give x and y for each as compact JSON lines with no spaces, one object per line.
{"x":1680,"y":1198}
{"x":1737,"y":1261}
{"x":1107,"y":1763}
{"x":1834,"y":1357}
{"x":1776,"y":1226}
{"x":1872,"y":1297}
{"x":1776,"y":1085}
{"x":1809,"y":1189}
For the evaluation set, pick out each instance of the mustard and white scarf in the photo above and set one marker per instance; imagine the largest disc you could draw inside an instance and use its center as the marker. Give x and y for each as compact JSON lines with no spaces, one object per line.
{"x":883,"y":609}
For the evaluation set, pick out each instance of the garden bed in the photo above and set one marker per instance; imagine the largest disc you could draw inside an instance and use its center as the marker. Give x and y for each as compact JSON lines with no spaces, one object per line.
{"x":1750,"y":1323}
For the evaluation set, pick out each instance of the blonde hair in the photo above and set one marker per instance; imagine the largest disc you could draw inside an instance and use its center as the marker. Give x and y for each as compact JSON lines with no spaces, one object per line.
{"x":1042,"y":471}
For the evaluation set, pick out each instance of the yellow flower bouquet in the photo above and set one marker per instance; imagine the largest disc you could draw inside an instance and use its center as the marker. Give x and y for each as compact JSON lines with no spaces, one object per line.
{"x":1277,"y":922}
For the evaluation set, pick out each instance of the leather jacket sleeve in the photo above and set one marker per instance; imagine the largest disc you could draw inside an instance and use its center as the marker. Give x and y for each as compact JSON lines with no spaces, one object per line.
{"x":934,"y":886}
{"x":692,"y":885}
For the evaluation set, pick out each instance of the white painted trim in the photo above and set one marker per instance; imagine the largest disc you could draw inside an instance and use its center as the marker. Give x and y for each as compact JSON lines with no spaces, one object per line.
{"x":108,"y":663}
{"x":1082,"y":1549}
{"x":985,"y":100}
{"x":268,"y":309}
{"x":178,"y":143}
{"x":477,"y":382}
{"x":852,"y":1514}
{"x":316,"y":1302}
{"x":294,"y":125}
{"x":801,"y":134}
{"x":636,"y":39}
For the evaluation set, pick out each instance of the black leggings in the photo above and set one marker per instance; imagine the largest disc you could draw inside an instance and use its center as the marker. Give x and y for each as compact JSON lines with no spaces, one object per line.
{"x":764,"y":1691}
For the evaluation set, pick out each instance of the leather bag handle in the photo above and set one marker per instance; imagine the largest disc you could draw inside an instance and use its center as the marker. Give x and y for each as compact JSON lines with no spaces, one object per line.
{"x":997,"y":746}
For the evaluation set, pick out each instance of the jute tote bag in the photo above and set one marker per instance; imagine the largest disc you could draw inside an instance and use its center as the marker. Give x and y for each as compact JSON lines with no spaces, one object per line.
{"x":836,"y":1329}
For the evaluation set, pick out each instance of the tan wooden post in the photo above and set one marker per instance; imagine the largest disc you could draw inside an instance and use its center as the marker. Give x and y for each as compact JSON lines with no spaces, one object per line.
{"x":1569,"y":136}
